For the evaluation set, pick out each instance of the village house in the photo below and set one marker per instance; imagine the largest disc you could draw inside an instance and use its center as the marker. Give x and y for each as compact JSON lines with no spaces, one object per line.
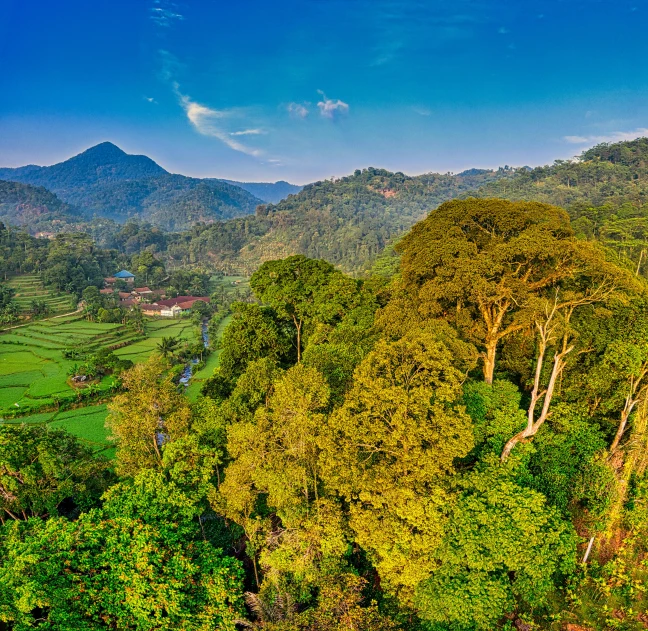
{"x":172,"y":307}
{"x":126,"y":276}
{"x":142,"y":292}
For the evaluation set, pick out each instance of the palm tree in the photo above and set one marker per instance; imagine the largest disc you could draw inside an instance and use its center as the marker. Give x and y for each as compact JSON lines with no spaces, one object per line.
{"x":267,"y":611}
{"x":168,"y":345}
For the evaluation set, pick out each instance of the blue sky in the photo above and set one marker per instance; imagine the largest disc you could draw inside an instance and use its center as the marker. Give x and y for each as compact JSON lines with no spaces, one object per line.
{"x":307,"y":89}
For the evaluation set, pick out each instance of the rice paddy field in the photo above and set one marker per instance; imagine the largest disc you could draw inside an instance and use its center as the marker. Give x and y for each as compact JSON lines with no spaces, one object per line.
{"x":34,"y":373}
{"x":30,"y":287}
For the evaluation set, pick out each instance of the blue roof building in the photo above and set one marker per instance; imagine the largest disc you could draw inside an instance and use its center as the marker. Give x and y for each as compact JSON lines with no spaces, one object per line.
{"x":124,"y":275}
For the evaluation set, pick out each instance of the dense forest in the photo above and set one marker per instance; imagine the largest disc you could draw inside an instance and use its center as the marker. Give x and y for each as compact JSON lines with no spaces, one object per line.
{"x":35,"y":207}
{"x":353,"y":220}
{"x":348,"y":221}
{"x":461,"y":446}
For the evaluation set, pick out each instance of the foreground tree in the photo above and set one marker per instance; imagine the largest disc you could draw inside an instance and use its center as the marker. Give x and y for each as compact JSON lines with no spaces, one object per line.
{"x":274,"y":490}
{"x":503,"y":549}
{"x":47,"y":473}
{"x":389,"y":452}
{"x":139,"y":563}
{"x":302,"y":289}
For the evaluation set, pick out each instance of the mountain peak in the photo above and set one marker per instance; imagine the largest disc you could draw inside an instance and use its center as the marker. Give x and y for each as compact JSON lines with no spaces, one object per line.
{"x":106,"y":161}
{"x":104,"y":151}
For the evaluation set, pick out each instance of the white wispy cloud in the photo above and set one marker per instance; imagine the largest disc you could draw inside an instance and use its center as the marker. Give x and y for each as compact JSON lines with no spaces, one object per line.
{"x":150,"y":99}
{"x":297,"y":110}
{"x":421,"y":110}
{"x":331,"y":108}
{"x":210,"y":122}
{"x":615,"y":136}
{"x":165,"y":13}
{"x":248,"y":132}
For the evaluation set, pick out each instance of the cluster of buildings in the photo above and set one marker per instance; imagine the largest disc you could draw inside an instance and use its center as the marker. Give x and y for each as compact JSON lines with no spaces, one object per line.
{"x":152,"y":302}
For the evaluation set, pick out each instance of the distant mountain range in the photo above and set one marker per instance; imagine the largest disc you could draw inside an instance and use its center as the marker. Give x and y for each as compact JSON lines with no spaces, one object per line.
{"x":271,"y":192}
{"x":106,"y":182}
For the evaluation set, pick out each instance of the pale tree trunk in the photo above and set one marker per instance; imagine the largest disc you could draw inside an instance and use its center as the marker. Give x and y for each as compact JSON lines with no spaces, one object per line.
{"x":298,"y":326}
{"x":489,"y":361}
{"x":533,"y":425}
{"x":625,"y":414}
{"x":637,"y":390}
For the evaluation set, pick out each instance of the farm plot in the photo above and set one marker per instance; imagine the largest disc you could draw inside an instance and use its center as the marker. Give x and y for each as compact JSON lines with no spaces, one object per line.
{"x":34,"y":370}
{"x":30,"y":287}
{"x":155,"y":330}
{"x":87,"y":424}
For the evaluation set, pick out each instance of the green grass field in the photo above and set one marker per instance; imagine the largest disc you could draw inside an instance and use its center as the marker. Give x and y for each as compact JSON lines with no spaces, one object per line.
{"x":30,"y":287}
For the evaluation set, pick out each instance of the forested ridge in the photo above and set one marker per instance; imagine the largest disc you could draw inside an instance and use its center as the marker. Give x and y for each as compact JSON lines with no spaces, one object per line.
{"x":351,"y":221}
{"x":347,"y":221}
{"x":460,"y":446}
{"x":35,"y":206}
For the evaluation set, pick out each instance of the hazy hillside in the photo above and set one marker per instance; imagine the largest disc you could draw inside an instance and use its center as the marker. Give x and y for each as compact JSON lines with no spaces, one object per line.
{"x":348,"y":221}
{"x":606,"y":174}
{"x":105,"y":181}
{"x":34,"y":207}
{"x":270,"y":192}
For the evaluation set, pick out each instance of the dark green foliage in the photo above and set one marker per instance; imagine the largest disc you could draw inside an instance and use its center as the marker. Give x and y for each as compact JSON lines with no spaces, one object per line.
{"x":255,"y":332}
{"x":567,"y":467}
{"x":139,"y":563}
{"x":496,"y":414}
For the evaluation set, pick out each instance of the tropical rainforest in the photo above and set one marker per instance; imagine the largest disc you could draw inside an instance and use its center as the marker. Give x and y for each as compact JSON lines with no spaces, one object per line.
{"x":426,"y":417}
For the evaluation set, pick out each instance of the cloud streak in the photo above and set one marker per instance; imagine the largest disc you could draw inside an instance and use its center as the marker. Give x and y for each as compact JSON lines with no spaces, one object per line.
{"x":249,"y":132}
{"x":210,"y":122}
{"x":615,"y":136}
{"x":165,"y":13}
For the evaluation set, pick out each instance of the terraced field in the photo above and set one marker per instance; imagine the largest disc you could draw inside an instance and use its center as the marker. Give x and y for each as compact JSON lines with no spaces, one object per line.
{"x":86,"y":423}
{"x":34,"y":372}
{"x":30,"y":287}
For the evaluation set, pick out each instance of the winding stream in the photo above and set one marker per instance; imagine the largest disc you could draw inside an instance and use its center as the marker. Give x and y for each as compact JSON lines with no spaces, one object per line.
{"x":188,"y":370}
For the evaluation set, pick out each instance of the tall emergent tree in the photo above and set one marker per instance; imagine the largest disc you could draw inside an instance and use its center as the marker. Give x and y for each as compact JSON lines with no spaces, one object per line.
{"x":480,"y":262}
{"x":390,"y":449}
